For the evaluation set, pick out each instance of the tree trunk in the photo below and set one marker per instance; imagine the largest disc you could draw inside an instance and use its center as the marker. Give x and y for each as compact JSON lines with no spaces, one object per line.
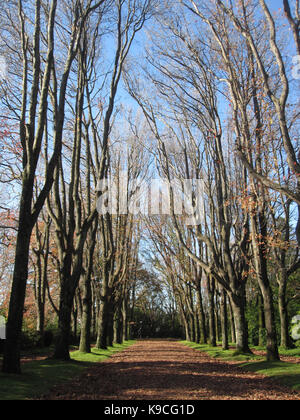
{"x":267,"y":294}
{"x":272,"y":346}
{"x":197,"y":328}
{"x":201,"y":314}
{"x":212,"y":320}
{"x":192,"y":327}
{"x":186,"y":327}
{"x":217,"y":323}
{"x":118,"y":331}
{"x":117,"y":324}
{"x":285,"y":341}
{"x":125,"y":320}
{"x":86,"y":320}
{"x":64,"y":323}
{"x":241,"y":328}
{"x":261,"y":322}
{"x":232,"y":325}
{"x":224,"y":320}
{"x":75,"y":319}
{"x":11,"y":361}
{"x":259,"y":230}
{"x":40,"y":294}
{"x":110,"y":330}
{"x":103,"y":324}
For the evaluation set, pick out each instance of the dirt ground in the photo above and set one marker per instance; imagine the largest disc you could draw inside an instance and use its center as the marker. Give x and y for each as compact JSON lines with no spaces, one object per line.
{"x":167,"y":370}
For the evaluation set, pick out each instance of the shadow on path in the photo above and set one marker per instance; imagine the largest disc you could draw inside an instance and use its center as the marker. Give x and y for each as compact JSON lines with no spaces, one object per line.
{"x":164,"y":370}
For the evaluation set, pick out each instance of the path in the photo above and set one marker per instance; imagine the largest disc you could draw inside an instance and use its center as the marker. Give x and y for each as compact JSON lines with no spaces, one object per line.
{"x":166,"y":370}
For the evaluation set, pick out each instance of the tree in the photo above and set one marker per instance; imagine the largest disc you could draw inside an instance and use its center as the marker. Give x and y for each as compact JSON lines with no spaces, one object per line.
{"x":188,"y":91}
{"x":32,"y":122}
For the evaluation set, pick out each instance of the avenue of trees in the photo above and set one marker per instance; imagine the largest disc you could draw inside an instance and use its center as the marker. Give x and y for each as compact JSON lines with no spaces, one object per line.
{"x":114,"y":91}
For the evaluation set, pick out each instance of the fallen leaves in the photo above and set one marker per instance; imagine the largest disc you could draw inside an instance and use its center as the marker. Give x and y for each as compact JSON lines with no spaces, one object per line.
{"x":165,"y":370}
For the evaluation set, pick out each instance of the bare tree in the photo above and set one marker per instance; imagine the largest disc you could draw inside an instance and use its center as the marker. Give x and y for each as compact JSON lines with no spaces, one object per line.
{"x":33,"y":119}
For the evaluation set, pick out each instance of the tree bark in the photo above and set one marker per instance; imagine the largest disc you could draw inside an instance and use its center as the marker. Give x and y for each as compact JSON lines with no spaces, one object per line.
{"x":104,"y":321}
{"x":285,"y":339}
{"x":201,"y":316}
{"x":232,"y":325}
{"x":224,"y":320}
{"x":241,"y":328}
{"x":125,"y":319}
{"x":265,"y":287}
{"x":261,"y":322}
{"x":212,"y":319}
{"x":86,"y":320}
{"x":11,"y":361}
{"x":64,"y":324}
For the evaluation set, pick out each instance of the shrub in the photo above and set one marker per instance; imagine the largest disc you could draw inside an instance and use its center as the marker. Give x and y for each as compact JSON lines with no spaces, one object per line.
{"x":48,"y":338}
{"x":31,"y":340}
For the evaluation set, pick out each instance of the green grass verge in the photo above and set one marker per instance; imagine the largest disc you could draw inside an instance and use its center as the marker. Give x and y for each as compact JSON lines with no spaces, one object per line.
{"x":217,"y":352}
{"x":38,"y":377}
{"x":283,"y":352}
{"x":283,"y":372}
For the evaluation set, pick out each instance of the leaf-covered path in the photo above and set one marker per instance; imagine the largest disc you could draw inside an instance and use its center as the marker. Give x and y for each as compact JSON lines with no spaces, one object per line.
{"x":166,"y":370}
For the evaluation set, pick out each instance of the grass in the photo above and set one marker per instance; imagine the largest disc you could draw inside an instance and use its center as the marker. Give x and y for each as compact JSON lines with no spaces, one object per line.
{"x":217,"y":352}
{"x":100,"y":355}
{"x":285,"y":373}
{"x":38,"y":377}
{"x":283,"y":352}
